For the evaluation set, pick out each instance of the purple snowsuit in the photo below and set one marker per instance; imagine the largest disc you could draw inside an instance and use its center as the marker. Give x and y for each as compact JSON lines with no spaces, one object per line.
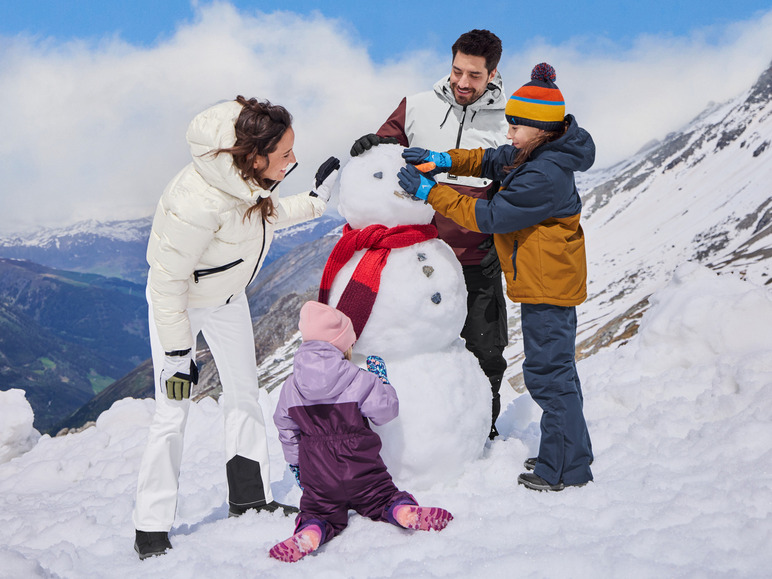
{"x":322,"y":417}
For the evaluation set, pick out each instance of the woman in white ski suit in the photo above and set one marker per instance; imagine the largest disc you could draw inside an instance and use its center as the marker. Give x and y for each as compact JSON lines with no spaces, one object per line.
{"x":203,"y":252}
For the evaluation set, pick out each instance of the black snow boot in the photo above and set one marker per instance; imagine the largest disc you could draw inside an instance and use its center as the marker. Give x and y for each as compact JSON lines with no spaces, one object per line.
{"x":150,"y":544}
{"x":530,"y":463}
{"x":237,"y":511}
{"x":534,"y":482}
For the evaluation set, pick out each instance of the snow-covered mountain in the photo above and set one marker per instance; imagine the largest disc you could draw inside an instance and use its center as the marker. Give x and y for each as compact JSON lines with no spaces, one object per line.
{"x":701,"y":195}
{"x":110,"y":249}
{"x":117,"y":248}
{"x":676,"y":369}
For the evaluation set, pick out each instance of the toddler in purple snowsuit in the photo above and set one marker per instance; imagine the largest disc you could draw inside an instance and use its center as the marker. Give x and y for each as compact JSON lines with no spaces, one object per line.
{"x":322,"y":416}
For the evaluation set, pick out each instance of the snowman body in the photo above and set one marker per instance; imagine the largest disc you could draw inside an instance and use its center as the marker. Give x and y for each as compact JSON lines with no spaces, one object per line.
{"x":414,"y":325}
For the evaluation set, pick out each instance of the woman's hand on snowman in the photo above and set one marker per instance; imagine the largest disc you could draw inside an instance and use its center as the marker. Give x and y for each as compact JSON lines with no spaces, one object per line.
{"x":325,"y":179}
{"x":415,"y":182}
{"x":377,"y":366}
{"x":178,"y":374}
{"x":418,"y":156}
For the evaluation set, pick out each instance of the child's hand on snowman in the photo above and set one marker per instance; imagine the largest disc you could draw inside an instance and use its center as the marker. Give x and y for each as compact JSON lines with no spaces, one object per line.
{"x":419,"y":156}
{"x":415,"y":182}
{"x":377,"y":366}
{"x":325,"y":179}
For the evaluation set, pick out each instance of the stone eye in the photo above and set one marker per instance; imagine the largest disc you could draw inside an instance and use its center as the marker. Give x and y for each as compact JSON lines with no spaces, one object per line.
{"x":378,"y":175}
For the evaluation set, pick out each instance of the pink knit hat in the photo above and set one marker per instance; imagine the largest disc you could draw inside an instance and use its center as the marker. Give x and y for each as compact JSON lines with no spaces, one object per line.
{"x":321,"y":322}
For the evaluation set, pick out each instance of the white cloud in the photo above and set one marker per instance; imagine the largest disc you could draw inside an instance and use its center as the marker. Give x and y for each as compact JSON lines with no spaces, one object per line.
{"x":97,"y":130}
{"x":627,"y":97}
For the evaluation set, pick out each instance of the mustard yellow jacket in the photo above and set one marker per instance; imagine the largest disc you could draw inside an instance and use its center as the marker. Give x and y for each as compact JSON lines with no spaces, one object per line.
{"x":534,"y":216}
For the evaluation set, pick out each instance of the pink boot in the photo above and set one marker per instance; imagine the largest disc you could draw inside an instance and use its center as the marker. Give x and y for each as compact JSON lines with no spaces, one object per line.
{"x":422,"y":518}
{"x":298,"y":545}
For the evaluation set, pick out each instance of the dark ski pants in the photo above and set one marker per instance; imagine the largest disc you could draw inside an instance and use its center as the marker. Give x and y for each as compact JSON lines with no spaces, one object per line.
{"x":549,"y":370}
{"x":485,"y":328}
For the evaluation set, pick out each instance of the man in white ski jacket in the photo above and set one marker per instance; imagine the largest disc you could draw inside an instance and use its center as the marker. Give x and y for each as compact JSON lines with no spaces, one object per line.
{"x":464,"y":110}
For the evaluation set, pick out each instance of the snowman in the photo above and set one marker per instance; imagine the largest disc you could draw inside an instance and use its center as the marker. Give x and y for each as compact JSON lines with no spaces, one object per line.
{"x":404,"y":290}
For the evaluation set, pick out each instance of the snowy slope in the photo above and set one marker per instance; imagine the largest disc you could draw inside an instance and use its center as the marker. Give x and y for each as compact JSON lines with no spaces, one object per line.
{"x":681,"y":422}
{"x":701,"y":195}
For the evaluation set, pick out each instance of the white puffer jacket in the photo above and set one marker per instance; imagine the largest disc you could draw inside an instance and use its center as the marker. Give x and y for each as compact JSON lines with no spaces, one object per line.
{"x":201,"y":251}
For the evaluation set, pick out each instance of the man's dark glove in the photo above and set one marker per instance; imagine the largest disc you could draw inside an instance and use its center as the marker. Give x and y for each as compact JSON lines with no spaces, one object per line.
{"x":491,"y":266}
{"x":367,"y":142}
{"x":178,"y":374}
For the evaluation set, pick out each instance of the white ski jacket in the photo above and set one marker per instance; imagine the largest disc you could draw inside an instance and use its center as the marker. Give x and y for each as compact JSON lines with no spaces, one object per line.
{"x":434,"y":120}
{"x":201,"y":251}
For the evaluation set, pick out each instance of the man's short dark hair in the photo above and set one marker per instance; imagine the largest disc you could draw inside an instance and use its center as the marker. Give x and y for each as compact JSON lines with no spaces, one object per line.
{"x":480,"y":43}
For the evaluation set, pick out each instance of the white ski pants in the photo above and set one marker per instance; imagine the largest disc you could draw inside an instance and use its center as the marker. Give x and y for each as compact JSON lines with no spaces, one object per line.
{"x":228,"y":332}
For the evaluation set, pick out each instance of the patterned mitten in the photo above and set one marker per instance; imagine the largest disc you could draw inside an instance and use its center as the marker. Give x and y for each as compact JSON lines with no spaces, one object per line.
{"x":377,"y":366}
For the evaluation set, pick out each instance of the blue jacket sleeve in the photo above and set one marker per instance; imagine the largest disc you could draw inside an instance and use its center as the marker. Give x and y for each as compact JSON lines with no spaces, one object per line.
{"x":526,"y":199}
{"x":494,"y":161}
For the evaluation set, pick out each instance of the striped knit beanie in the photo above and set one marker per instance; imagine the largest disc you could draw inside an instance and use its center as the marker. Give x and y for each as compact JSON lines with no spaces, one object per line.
{"x":539,"y":103}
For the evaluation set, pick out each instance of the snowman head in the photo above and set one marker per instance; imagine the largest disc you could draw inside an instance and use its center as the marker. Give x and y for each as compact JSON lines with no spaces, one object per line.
{"x":370,"y":193}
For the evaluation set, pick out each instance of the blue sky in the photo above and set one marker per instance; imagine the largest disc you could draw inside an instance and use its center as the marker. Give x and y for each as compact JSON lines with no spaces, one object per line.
{"x":392,"y":27}
{"x":95,"y":97}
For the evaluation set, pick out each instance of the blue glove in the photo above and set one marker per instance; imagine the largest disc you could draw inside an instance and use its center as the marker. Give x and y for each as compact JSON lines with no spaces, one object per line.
{"x":415,"y":182}
{"x":377,"y":366}
{"x":417,"y":155}
{"x":295,"y":469}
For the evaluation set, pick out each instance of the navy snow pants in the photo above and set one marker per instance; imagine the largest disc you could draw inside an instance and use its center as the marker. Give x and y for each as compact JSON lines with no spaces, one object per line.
{"x":549,"y":371}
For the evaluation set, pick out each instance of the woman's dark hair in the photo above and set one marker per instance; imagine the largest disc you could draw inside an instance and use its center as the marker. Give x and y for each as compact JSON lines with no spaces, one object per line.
{"x":259,"y":128}
{"x":523,"y":154}
{"x":480,"y":43}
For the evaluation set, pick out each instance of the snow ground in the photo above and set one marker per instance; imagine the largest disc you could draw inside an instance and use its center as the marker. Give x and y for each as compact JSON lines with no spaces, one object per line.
{"x":681,"y":420}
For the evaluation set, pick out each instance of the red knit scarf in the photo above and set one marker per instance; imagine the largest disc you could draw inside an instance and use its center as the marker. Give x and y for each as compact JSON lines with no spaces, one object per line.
{"x":359,"y":296}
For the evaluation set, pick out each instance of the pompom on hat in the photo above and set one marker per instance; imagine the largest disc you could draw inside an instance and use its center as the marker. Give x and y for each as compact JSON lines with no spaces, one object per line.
{"x":319,"y":321}
{"x":538,"y":103}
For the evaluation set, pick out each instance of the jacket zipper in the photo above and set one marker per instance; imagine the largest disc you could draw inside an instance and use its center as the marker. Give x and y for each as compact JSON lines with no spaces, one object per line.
{"x":262,"y":249}
{"x":488,"y":88}
{"x":460,"y":129}
{"x":199,"y":273}
{"x":450,"y":176}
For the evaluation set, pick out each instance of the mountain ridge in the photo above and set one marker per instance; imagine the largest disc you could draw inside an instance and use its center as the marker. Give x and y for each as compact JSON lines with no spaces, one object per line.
{"x":698,"y":195}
